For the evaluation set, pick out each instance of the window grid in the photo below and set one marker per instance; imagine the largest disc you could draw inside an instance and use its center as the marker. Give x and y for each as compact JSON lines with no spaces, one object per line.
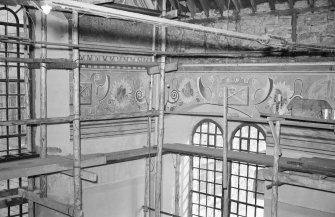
{"x":207,"y":172}
{"x":247,"y":189}
{"x":12,"y":138}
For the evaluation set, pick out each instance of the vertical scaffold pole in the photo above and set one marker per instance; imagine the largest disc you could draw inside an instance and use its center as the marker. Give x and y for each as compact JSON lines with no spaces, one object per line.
{"x":76,"y":122}
{"x":275,"y":180}
{"x":27,"y":82}
{"x":43,"y":101}
{"x":158,"y":185}
{"x":225,"y":166}
{"x":147,"y":196}
{"x":177,"y":186}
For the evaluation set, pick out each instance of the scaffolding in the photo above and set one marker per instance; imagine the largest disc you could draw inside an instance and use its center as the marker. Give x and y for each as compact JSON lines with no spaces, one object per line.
{"x":75,"y":166}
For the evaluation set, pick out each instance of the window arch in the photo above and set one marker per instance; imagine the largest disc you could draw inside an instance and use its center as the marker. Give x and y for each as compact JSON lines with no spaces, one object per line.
{"x":206,"y":193}
{"x":246,"y":186}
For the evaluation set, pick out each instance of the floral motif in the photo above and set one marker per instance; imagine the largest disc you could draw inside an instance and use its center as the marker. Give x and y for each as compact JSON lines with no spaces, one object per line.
{"x":120,"y":93}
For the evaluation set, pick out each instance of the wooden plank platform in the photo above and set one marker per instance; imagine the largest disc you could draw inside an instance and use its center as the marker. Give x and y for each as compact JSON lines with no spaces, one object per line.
{"x":52,"y":164}
{"x":130,"y":155}
{"x":307,"y":165}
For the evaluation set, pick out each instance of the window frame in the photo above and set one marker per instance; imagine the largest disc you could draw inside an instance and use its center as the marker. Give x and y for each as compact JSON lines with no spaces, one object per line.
{"x":214,"y":183}
{"x":256,"y":178}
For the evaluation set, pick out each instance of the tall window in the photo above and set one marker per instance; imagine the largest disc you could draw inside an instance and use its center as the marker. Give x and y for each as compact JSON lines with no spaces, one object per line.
{"x":12,"y":97}
{"x":206,"y":194}
{"x":247,"y":188}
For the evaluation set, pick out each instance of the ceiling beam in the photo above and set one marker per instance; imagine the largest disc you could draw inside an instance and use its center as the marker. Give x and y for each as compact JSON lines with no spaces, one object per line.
{"x":205,"y":6}
{"x":253,"y":5}
{"x":237,"y":5}
{"x":311,"y":3}
{"x":272,"y":4}
{"x":86,"y":8}
{"x":291,"y":4}
{"x":222,"y":5}
{"x":191,"y":6}
{"x":173,"y":4}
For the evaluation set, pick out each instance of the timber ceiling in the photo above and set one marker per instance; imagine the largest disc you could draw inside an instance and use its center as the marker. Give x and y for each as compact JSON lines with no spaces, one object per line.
{"x":191,"y":7}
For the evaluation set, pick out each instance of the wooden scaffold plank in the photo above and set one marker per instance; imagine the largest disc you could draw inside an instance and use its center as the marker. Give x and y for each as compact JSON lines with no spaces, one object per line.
{"x":307,"y":165}
{"x":52,"y":164}
{"x":46,"y":202}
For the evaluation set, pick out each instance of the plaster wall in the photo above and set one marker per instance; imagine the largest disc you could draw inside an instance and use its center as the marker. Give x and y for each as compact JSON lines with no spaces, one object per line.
{"x":120,"y":190}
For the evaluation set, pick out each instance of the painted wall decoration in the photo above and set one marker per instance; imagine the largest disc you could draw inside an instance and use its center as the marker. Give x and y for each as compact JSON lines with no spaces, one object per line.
{"x":106,"y":90}
{"x":251,"y":94}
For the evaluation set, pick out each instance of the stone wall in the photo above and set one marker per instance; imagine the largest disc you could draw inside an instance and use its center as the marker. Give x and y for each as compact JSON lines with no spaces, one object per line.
{"x":316,"y":27}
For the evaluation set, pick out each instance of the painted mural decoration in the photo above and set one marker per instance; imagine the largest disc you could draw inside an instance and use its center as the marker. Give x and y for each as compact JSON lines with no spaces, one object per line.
{"x":252,"y":94}
{"x":109,"y":91}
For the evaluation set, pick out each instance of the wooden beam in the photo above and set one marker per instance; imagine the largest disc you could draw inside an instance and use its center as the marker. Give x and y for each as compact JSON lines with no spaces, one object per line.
{"x":291,"y":4}
{"x":49,"y":203}
{"x":161,"y":108}
{"x":43,"y":103}
{"x":236,"y":5}
{"x":308,"y":165}
{"x":85,"y":175}
{"x":253,"y":5}
{"x":311,"y":3}
{"x":191,"y":7}
{"x":77,"y":184}
{"x":130,"y":155}
{"x":272,"y":4}
{"x":119,"y":14}
{"x":276,"y":156}
{"x":225,"y":166}
{"x":257,"y":120}
{"x":222,"y":5}
{"x":12,"y":201}
{"x":69,"y":119}
{"x":301,"y":180}
{"x":52,"y":164}
{"x":177,"y":186}
{"x":173,"y":14}
{"x":170,"y":67}
{"x":294,"y":24}
{"x":173,"y":4}
{"x":205,"y":7}
{"x":118,"y":63}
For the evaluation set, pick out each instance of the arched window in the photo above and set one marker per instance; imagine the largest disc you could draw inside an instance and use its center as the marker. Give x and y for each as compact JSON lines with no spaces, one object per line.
{"x":12,"y":98}
{"x":206,"y":193}
{"x":247,"y":188}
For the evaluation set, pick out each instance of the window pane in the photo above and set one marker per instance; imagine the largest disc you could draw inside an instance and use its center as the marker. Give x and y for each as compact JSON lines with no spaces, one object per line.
{"x":208,"y":171}
{"x":247,"y":190}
